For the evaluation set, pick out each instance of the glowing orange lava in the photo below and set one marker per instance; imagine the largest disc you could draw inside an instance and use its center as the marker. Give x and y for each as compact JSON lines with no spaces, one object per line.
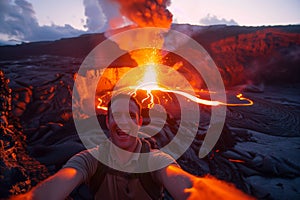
{"x":149,"y":83}
{"x":151,"y":59}
{"x":99,"y":106}
{"x":236,"y":161}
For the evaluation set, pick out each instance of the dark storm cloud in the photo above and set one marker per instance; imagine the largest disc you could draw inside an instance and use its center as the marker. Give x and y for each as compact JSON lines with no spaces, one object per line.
{"x":18,"y":22}
{"x":212,"y":19}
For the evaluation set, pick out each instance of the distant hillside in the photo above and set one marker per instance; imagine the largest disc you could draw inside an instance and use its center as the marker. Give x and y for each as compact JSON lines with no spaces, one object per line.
{"x":71,"y":47}
{"x":265,"y":53}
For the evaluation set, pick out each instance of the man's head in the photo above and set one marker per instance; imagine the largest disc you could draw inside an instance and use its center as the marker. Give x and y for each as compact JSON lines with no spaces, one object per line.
{"x":123,"y":121}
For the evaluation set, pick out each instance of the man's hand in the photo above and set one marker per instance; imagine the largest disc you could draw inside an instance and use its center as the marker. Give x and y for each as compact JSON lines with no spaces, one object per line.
{"x":182,"y":185}
{"x":211,"y":188}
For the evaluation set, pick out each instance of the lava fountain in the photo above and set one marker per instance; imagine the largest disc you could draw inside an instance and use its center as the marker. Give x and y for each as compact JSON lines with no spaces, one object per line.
{"x":151,"y":75}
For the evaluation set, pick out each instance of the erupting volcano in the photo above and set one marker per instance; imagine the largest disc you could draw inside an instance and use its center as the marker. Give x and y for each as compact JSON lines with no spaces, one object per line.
{"x":243,"y":81}
{"x":148,"y":79}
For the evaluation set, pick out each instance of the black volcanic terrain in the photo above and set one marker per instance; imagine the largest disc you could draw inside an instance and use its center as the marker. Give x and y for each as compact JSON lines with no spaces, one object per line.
{"x":258,"y":150}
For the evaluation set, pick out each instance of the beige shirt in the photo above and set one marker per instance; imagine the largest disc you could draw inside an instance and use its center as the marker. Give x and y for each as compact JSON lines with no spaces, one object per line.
{"x":116,"y":187}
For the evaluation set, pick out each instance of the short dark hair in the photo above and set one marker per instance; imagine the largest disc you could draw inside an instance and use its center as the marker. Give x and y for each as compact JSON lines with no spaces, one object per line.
{"x":124,"y":96}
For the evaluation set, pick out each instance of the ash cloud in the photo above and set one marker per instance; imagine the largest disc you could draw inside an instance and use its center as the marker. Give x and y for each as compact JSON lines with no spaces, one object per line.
{"x":125,"y":15}
{"x":147,"y":13}
{"x":111,"y":14}
{"x":213,"y":20}
{"x":103,"y":15}
{"x":18,"y":23}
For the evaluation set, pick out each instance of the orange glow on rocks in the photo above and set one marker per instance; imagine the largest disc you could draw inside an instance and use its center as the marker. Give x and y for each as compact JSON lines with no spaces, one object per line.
{"x":236,"y":161}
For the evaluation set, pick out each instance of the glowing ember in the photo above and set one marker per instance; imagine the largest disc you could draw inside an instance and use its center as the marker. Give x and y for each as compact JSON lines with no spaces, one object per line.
{"x":148,"y":56}
{"x":236,"y":161}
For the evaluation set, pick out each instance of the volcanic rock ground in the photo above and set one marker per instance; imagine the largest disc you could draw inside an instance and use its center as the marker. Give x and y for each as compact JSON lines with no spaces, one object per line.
{"x":258,"y":150}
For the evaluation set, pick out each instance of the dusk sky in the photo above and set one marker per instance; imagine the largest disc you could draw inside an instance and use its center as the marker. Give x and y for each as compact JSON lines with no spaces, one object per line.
{"x":36,"y":20}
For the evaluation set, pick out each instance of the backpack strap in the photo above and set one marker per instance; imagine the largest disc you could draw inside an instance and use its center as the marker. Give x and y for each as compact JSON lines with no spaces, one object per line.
{"x":98,"y":178}
{"x":150,"y":185}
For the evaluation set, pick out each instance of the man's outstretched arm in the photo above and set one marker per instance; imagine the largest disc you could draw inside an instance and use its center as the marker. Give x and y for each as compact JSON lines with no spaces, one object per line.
{"x":55,"y":187}
{"x":182,"y":185}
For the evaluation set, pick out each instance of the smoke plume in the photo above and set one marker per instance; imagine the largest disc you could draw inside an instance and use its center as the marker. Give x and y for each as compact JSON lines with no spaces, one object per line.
{"x":147,"y":13}
{"x":112,"y":14}
{"x":96,"y":19}
{"x":212,"y":19}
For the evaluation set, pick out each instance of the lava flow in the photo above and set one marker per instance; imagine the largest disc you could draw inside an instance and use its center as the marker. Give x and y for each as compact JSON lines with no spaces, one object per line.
{"x":150,"y":83}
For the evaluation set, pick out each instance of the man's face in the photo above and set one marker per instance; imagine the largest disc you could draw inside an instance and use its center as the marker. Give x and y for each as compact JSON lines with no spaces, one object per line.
{"x":124,"y":124}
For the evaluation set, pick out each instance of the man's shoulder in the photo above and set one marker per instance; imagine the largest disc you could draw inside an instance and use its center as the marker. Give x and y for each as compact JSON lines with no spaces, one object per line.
{"x":85,"y":162}
{"x":159,"y":154}
{"x":159,"y":159}
{"x":91,"y":151}
{"x":85,"y":155}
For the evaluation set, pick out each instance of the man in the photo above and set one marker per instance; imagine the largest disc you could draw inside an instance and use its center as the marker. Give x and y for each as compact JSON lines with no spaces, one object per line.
{"x":123,"y":126}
